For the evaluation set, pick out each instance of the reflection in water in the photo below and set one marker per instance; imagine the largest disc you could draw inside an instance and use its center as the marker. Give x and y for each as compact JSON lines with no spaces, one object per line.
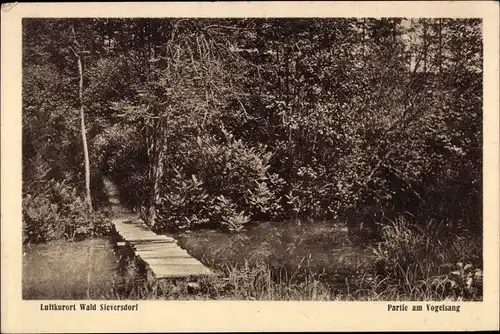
{"x":69,"y":270}
{"x":322,"y":248}
{"x":89,"y":269}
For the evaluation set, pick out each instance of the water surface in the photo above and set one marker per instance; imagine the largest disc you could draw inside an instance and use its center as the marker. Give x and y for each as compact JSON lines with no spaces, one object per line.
{"x":323,"y":248}
{"x":69,"y":270}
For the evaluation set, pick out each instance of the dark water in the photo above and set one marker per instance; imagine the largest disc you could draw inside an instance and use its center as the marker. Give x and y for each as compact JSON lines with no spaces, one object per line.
{"x":93,"y":269}
{"x":321,"y":248}
{"x":69,"y":270}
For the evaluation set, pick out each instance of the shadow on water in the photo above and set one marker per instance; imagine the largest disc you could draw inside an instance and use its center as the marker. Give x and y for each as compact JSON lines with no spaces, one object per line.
{"x":62,"y":270}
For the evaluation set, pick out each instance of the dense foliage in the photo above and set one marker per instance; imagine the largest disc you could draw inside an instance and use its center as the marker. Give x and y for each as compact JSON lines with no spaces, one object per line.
{"x":224,"y":121}
{"x":55,"y":211}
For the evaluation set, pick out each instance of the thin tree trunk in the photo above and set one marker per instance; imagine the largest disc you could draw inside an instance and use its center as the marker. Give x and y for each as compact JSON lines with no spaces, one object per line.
{"x":79,"y":55}
{"x":425,"y":46}
{"x":440,"y":28}
{"x":88,"y":197}
{"x":364,"y":42}
{"x":441,"y":79}
{"x":152,"y":155}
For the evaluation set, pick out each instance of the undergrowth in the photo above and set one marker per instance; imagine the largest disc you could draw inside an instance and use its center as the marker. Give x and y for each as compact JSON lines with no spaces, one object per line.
{"x":55,"y":210}
{"x":411,"y":265}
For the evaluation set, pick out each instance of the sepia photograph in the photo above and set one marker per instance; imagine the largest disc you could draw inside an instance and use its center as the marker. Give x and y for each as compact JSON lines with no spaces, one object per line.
{"x":199,"y":157}
{"x":252,"y":159}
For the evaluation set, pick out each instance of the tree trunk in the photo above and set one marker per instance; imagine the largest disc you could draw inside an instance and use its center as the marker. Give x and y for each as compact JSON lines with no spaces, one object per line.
{"x":440,"y":28}
{"x":88,"y":197}
{"x":151,"y":149}
{"x":156,"y":142}
{"x":425,"y":46}
{"x":364,"y":43}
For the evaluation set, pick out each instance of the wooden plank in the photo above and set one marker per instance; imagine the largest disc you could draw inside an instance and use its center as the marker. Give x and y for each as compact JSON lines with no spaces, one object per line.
{"x":150,"y":241}
{"x":175,"y":258}
{"x":172,"y":261}
{"x":146,"y":235}
{"x":147,"y":241}
{"x":169,"y":247}
{"x":164,"y":253}
{"x":135,"y":235}
{"x":173,"y":254}
{"x":171,"y":251}
{"x":152,"y":246}
{"x":140,"y":234}
{"x":185,"y":266}
{"x":160,"y":252}
{"x":133,"y":224}
{"x":179,"y":271}
{"x":135,"y":232}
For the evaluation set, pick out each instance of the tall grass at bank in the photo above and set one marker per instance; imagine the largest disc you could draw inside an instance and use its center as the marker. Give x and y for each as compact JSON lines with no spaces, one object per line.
{"x":430,"y":262}
{"x":257,"y":283}
{"x":400,"y":273}
{"x":412,"y":263}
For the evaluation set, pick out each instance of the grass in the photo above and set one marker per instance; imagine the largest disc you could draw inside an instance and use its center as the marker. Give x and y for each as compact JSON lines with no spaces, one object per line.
{"x":270,"y":262}
{"x":290,"y":251}
{"x":429,"y":262}
{"x":410,"y":264}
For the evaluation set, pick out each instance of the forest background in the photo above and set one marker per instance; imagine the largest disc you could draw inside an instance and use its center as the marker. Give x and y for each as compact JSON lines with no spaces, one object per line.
{"x":221,"y":122}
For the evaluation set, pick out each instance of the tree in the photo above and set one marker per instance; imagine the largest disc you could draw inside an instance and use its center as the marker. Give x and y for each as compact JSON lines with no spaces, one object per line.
{"x":328,"y":115}
{"x":79,"y":54}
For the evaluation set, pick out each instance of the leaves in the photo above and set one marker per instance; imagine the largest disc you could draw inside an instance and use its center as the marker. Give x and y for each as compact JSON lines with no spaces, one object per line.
{"x":283,"y":117}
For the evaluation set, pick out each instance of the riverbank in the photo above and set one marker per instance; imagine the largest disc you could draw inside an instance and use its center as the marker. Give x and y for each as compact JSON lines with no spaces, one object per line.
{"x":268,"y":261}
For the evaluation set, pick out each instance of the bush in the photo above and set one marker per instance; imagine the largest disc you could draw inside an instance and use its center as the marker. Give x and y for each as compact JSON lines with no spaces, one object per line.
{"x":58,"y":212}
{"x":224,"y":184}
{"x":226,"y":212}
{"x":41,"y":220}
{"x":233,"y":169}
{"x":420,"y":262}
{"x":185,"y":204}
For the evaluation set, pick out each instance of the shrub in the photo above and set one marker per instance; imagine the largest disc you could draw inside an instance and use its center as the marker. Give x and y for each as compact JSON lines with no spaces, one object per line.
{"x":57,"y":211}
{"x":41,"y":220}
{"x":217,"y":183}
{"x":233,"y":169}
{"x":276,"y":186}
{"x":225,"y":211}
{"x":184,"y":203}
{"x":420,"y":262}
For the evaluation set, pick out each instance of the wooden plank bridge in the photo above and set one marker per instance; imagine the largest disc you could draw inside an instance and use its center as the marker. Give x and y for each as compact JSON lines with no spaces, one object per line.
{"x":160,"y":253}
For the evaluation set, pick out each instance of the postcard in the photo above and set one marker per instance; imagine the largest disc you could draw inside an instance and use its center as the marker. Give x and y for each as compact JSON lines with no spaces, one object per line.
{"x":263,"y":166}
